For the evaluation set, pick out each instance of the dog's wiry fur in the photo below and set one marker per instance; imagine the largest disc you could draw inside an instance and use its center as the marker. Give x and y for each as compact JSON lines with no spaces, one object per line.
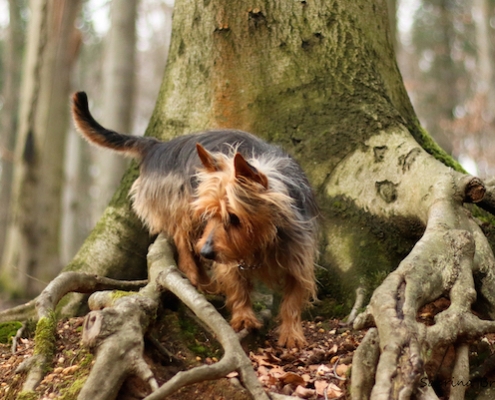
{"x":228,"y":197}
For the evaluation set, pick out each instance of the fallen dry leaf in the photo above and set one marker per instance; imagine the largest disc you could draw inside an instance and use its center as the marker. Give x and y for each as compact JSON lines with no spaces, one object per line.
{"x":333,"y":391}
{"x":303,"y":392}
{"x":322,"y":370}
{"x":292,"y":379}
{"x":341,"y":370}
{"x":320,"y":387}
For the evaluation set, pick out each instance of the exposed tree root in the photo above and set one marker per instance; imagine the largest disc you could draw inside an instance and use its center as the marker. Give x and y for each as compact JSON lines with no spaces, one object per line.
{"x":442,"y":263}
{"x":45,"y":304}
{"x":234,"y":359}
{"x":358,"y":304}
{"x":117,"y":324}
{"x":116,"y":335}
{"x":19,"y":313}
{"x":488,"y":202}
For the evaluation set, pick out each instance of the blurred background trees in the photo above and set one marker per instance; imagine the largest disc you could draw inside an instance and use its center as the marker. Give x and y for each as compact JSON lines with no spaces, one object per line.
{"x":53,"y":187}
{"x":445,"y":52}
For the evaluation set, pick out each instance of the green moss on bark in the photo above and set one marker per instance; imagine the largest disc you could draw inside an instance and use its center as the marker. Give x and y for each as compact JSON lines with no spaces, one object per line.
{"x":29,"y":395}
{"x":44,"y":338}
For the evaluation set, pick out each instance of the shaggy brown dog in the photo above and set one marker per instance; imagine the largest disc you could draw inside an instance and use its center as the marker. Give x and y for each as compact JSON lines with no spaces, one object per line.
{"x":230,"y":198}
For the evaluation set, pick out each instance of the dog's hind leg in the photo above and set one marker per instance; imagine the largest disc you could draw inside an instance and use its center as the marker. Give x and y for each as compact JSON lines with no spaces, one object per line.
{"x":237,"y":289}
{"x":295,"y":298}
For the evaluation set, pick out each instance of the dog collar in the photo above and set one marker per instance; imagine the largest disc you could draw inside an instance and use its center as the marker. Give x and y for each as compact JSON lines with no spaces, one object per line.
{"x":243,"y":266}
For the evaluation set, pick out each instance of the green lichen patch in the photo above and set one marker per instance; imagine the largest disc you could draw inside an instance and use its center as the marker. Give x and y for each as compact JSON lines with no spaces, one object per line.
{"x":118,"y":294}
{"x":432,"y":147}
{"x":30,"y":395}
{"x":8,"y":330}
{"x":198,"y":341}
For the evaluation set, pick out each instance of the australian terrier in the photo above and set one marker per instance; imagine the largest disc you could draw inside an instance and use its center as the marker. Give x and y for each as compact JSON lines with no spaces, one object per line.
{"x":231,"y":200}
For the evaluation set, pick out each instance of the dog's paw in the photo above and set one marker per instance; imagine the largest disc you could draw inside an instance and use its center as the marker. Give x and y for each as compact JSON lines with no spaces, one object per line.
{"x":291,"y":338}
{"x":245,"y":321}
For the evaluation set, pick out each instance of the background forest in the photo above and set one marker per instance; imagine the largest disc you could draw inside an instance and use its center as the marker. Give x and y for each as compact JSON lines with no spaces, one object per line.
{"x":54,"y":186}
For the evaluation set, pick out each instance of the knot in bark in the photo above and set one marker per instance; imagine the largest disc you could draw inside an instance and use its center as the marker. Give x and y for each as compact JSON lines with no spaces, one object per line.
{"x":474,"y":191}
{"x":387,"y":190}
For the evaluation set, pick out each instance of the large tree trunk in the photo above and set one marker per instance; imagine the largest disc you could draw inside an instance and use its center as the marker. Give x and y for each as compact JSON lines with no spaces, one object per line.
{"x":320,"y":79}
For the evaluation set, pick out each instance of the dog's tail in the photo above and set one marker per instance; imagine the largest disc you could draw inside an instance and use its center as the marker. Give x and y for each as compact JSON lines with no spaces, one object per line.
{"x":97,"y":134}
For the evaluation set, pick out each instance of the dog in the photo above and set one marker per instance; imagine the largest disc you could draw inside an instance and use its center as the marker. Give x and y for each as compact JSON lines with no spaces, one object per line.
{"x":231,"y":200}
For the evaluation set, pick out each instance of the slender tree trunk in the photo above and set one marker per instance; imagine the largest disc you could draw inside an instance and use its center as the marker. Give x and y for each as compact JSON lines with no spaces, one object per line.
{"x":392,"y":17}
{"x":16,"y":261}
{"x":32,"y":257}
{"x":481,"y":13}
{"x":75,"y":222}
{"x":117,"y":95}
{"x":14,"y":44}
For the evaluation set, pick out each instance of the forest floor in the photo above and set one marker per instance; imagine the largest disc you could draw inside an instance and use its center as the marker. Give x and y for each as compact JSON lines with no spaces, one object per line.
{"x":319,"y":371}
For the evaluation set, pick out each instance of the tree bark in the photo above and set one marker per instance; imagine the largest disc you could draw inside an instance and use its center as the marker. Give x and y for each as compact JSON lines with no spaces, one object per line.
{"x":481,"y":17}
{"x":320,"y":79}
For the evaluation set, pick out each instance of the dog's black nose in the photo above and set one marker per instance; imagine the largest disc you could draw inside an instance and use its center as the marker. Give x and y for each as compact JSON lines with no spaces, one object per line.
{"x":207,"y":251}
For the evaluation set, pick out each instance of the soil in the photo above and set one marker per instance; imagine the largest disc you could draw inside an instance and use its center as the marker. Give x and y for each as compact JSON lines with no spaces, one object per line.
{"x":322,"y":366}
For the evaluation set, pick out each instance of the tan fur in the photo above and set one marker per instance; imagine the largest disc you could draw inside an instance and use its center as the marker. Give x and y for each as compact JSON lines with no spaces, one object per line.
{"x":228,"y":186}
{"x":261,"y":211}
{"x":249,"y":217}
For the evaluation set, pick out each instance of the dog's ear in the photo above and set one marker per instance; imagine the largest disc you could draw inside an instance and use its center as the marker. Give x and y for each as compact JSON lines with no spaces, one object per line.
{"x":245,"y":170}
{"x":207,"y":159}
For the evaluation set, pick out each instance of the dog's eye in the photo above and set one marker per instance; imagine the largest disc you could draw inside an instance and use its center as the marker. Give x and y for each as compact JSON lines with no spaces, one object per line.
{"x":234,"y":220}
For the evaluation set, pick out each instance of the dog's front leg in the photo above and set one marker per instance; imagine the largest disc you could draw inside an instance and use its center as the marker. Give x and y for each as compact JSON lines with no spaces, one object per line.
{"x":188,"y":264}
{"x":237,"y":288}
{"x":290,"y":332}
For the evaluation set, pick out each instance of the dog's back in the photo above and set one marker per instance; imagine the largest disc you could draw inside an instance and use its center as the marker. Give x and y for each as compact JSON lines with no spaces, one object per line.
{"x":179,"y":157}
{"x":175,"y":163}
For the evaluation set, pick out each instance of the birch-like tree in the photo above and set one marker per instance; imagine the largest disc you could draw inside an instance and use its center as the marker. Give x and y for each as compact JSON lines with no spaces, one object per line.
{"x":118,"y":86}
{"x":31,"y":256}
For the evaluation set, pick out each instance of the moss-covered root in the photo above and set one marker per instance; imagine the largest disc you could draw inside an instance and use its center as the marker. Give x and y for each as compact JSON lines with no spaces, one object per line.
{"x":160,"y":258}
{"x":116,"y":335}
{"x":44,"y":350}
{"x":45,"y":304}
{"x":451,"y":250}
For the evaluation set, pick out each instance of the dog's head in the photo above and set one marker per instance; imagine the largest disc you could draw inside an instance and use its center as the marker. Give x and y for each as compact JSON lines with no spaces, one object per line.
{"x":236,"y":205}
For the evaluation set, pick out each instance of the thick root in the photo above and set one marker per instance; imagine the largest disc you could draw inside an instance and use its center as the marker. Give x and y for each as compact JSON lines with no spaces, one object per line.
{"x":442,"y":263}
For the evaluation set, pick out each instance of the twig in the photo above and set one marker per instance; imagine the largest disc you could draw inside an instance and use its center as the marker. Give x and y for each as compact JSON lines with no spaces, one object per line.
{"x":163,"y":350}
{"x":335,"y":374}
{"x":17,"y":336}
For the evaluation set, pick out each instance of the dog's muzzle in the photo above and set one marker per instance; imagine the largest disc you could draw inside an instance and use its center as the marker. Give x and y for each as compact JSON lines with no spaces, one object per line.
{"x":207,"y":251}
